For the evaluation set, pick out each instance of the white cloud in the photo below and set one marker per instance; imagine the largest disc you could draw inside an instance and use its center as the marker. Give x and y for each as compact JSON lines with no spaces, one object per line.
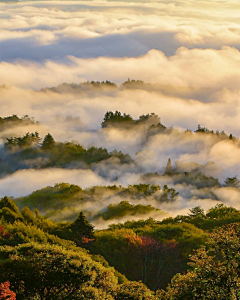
{"x":188,"y":50}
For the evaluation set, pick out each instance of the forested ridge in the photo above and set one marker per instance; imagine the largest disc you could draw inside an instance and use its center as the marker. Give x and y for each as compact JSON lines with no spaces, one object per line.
{"x":116,"y":241}
{"x":33,"y":151}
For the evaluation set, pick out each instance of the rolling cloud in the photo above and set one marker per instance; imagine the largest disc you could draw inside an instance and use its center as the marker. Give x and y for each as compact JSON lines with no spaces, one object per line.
{"x":188,"y":52}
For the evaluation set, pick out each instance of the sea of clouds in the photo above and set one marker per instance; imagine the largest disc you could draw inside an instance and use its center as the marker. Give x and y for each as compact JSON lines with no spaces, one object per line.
{"x":187,"y":50}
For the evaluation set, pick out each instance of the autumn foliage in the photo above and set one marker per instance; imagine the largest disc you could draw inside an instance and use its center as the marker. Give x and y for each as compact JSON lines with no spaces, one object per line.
{"x":5,"y":292}
{"x":153,"y":255}
{"x":3,"y":233}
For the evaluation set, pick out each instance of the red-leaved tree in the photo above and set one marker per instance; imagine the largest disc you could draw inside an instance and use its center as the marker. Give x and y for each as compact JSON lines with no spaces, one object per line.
{"x":5,"y":292}
{"x":3,"y":233}
{"x":155,"y":256}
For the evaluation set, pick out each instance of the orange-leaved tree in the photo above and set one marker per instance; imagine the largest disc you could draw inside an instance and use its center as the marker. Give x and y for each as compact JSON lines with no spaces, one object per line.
{"x":5,"y":292}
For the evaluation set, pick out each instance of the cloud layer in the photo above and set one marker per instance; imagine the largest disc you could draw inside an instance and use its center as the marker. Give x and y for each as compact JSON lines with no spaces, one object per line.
{"x":55,"y":29}
{"x":187,"y":50}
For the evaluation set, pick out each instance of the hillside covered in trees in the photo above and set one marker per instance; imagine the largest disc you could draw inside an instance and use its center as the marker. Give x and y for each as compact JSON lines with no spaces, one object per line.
{"x":131,"y":260}
{"x":141,"y":233}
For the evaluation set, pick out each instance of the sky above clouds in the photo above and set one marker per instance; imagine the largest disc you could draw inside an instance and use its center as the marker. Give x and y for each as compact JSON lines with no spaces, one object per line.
{"x":187,"y":49}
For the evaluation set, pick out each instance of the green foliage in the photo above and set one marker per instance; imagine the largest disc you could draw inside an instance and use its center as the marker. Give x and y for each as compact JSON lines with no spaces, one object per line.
{"x":52,"y":272}
{"x":221,"y":211}
{"x":111,"y":119}
{"x":28,"y":215}
{"x":29,"y":140}
{"x":48,"y":142}
{"x":139,"y":255}
{"x":146,"y":189}
{"x":206,"y":130}
{"x":28,"y":153}
{"x":134,"y":224}
{"x":20,"y":233}
{"x":14,"y":120}
{"x":91,"y":293}
{"x":124,"y":208}
{"x":60,"y":201}
{"x":113,"y":246}
{"x":81,"y":228}
{"x":198,"y":179}
{"x":215,"y":270}
{"x":151,"y":122}
{"x":196,"y":212}
{"x":147,"y":250}
{"x":81,"y":87}
{"x":99,"y":258}
{"x":8,"y":215}
{"x":214,"y":218}
{"x":9,"y":210}
{"x":232,"y":182}
{"x":106,"y":83}
{"x":186,"y":235}
{"x":133,"y":84}
{"x":134,"y":291}
{"x":56,"y":197}
{"x":9,"y":203}
{"x":169,"y":194}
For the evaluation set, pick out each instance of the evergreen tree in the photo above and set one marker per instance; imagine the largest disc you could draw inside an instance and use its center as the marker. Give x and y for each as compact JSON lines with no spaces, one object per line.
{"x":81,"y":228}
{"x":48,"y":142}
{"x":196,"y":212}
{"x":9,"y":210}
{"x":232,"y":182}
{"x":7,"y":202}
{"x":28,"y":215}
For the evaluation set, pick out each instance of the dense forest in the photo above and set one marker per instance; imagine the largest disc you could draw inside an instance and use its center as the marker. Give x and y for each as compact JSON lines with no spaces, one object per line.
{"x":116,"y":241}
{"x":131,"y":260}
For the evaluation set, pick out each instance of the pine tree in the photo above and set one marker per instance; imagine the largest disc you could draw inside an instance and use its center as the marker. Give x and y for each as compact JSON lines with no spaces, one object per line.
{"x":81,"y":227}
{"x":48,"y":142}
{"x":28,"y":215}
{"x":7,"y":202}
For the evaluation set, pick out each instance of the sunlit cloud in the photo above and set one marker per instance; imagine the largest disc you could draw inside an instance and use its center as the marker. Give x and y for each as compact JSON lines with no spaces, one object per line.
{"x":187,"y":51}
